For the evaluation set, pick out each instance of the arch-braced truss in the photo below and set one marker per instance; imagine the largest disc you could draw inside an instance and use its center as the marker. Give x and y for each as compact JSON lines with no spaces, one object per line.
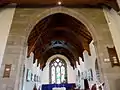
{"x":69,"y":35}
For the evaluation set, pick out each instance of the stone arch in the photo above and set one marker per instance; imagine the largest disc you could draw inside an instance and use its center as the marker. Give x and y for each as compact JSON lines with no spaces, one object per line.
{"x":57,"y":55}
{"x":38,"y":16}
{"x":60,"y":9}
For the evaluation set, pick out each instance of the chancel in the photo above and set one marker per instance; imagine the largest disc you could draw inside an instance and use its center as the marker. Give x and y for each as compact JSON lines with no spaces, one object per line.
{"x":59,"y":44}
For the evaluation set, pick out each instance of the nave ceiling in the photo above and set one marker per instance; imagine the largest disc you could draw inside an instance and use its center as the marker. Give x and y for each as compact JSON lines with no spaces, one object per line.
{"x":67,"y":3}
{"x":59,"y":34}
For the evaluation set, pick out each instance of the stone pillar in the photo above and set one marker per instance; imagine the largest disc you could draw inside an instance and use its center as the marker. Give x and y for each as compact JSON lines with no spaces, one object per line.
{"x":6,"y":16}
{"x":22,"y":67}
{"x":99,"y":54}
{"x":21,"y":64}
{"x":13,"y":55}
{"x":110,"y":75}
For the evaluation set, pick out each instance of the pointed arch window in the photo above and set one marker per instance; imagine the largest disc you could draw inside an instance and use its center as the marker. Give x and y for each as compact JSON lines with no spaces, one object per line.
{"x":58,"y":73}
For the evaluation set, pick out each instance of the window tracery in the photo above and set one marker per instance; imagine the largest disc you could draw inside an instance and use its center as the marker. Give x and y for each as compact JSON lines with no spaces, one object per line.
{"x":58,"y":73}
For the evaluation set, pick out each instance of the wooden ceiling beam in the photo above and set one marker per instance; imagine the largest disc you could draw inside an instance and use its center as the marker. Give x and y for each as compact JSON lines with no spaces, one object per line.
{"x":62,"y":51}
{"x":65,"y":2}
{"x":69,"y":3}
{"x":55,"y":27}
{"x":79,"y":28}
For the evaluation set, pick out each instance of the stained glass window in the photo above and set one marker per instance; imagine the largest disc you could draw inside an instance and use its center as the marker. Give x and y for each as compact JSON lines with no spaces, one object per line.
{"x":58,"y":72}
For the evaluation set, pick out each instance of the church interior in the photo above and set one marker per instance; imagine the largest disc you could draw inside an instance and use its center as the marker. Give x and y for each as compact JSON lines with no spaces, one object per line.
{"x":59,"y":44}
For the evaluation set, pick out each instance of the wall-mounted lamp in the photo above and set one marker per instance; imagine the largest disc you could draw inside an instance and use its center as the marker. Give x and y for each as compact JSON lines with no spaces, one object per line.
{"x":7,"y":70}
{"x":106,"y":60}
{"x":113,"y":57}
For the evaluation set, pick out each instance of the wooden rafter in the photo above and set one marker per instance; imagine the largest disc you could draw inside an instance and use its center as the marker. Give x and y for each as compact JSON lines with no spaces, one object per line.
{"x":70,"y":3}
{"x":59,"y":27}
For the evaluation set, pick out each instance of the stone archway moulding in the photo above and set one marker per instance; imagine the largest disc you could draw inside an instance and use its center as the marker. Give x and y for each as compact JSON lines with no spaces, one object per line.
{"x":38,"y":16}
{"x":60,"y":9}
{"x":58,"y":55}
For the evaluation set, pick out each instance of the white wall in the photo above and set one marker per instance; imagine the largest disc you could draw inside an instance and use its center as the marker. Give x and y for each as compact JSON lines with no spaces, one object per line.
{"x":28,"y":85}
{"x":118,"y":1}
{"x":6,"y":16}
{"x":89,"y":63}
{"x":113,"y":20}
{"x":70,"y":72}
{"x":81,"y":69}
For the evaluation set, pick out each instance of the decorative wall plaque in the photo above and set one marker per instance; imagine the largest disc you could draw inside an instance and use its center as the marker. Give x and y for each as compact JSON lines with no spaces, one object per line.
{"x":7,"y":70}
{"x":113,"y":57}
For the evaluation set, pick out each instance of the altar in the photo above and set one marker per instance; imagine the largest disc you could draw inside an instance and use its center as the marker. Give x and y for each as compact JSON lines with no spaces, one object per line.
{"x":61,"y":88}
{"x":57,"y":86}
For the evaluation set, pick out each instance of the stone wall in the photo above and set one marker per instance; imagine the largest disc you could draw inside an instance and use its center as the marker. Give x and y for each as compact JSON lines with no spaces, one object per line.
{"x":113,"y":20}
{"x":25,"y":19}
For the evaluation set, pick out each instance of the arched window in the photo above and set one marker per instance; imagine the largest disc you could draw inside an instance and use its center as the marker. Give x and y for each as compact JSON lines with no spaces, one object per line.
{"x":58,"y":73}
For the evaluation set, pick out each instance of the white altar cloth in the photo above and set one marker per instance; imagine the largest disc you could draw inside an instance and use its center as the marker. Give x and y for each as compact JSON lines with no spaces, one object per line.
{"x":59,"y":88}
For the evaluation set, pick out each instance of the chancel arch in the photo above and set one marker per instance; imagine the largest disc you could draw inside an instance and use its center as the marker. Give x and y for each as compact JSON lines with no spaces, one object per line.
{"x":60,"y":9}
{"x":52,"y":35}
